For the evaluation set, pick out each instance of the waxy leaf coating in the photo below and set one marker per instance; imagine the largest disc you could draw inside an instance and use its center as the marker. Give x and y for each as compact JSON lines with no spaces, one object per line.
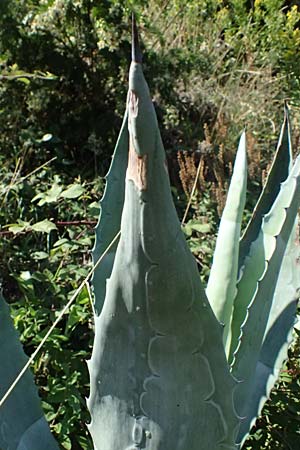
{"x":159,"y":376}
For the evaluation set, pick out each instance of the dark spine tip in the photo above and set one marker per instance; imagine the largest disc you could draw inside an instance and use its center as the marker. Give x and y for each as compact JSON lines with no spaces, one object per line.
{"x":286,"y":108}
{"x":136,"y":51}
{"x":286,"y":117}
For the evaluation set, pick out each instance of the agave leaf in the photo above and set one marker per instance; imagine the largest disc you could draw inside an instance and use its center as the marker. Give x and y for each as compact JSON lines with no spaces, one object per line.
{"x":278,"y":173}
{"x":259,"y":281}
{"x":250,"y":244}
{"x":110,"y":217}
{"x":261,"y":250}
{"x":278,"y":335}
{"x":159,"y":375}
{"x":22,"y":422}
{"x":221,"y":288}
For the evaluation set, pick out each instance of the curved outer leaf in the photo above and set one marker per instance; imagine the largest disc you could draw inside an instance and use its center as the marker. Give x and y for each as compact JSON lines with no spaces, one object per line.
{"x":159,"y":376}
{"x":278,"y":334}
{"x":110,"y":217}
{"x":250,"y":242}
{"x":259,"y":281}
{"x":22,"y":422}
{"x":221,"y":288}
{"x":278,"y":174}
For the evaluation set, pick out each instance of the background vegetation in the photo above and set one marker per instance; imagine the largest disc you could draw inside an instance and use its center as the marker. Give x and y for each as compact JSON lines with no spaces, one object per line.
{"x":214,"y":67}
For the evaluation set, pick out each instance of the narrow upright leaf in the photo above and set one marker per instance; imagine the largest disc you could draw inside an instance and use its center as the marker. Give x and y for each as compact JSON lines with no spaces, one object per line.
{"x":259,"y":281}
{"x":250,"y":250}
{"x":278,"y":173}
{"x":221,"y":288}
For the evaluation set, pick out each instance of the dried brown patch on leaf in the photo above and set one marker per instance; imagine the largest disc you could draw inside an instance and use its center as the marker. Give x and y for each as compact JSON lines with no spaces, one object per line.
{"x":137,"y":168}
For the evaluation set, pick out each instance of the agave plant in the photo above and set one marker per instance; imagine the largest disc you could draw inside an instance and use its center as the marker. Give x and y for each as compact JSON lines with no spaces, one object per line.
{"x":245,"y":290}
{"x":255,"y":293}
{"x":174,"y":367}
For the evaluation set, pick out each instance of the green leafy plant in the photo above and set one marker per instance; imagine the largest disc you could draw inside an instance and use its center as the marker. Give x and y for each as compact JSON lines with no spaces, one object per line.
{"x":47,"y":268}
{"x":23,"y":425}
{"x":164,"y":372}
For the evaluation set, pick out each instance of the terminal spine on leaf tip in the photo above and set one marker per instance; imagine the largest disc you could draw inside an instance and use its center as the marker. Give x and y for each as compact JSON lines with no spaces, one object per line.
{"x":136,"y":53}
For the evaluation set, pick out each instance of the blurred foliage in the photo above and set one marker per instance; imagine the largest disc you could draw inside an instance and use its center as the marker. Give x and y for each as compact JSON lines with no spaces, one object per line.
{"x":278,"y":428}
{"x":214,"y":67}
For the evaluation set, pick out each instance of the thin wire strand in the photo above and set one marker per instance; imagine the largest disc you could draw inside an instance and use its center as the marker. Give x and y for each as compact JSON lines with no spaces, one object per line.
{"x":37,"y":350}
{"x":192,"y":194}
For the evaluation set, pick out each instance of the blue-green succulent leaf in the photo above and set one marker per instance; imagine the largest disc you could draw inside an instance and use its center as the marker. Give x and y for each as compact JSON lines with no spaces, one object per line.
{"x":258,"y":282}
{"x":159,"y":375}
{"x":278,"y":173}
{"x":110,"y":217}
{"x":278,"y":335}
{"x":251,"y":252}
{"x":22,"y":422}
{"x":221,"y":288}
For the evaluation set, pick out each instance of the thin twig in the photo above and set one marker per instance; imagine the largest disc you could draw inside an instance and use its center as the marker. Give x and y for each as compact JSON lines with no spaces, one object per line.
{"x":7,"y":233}
{"x":75,"y":223}
{"x":39,"y":347}
{"x":28,"y":76}
{"x":36,"y":170}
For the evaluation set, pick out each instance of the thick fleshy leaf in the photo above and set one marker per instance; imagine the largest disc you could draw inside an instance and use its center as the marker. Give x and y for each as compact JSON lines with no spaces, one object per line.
{"x":221,"y":288}
{"x":278,"y":335}
{"x":250,"y":249}
{"x":110,"y":216}
{"x":278,"y":174}
{"x":22,"y":422}
{"x":159,"y":375}
{"x":259,"y":280}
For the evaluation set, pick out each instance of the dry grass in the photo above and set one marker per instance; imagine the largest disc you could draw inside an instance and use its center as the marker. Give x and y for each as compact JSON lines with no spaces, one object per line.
{"x":241,"y":91}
